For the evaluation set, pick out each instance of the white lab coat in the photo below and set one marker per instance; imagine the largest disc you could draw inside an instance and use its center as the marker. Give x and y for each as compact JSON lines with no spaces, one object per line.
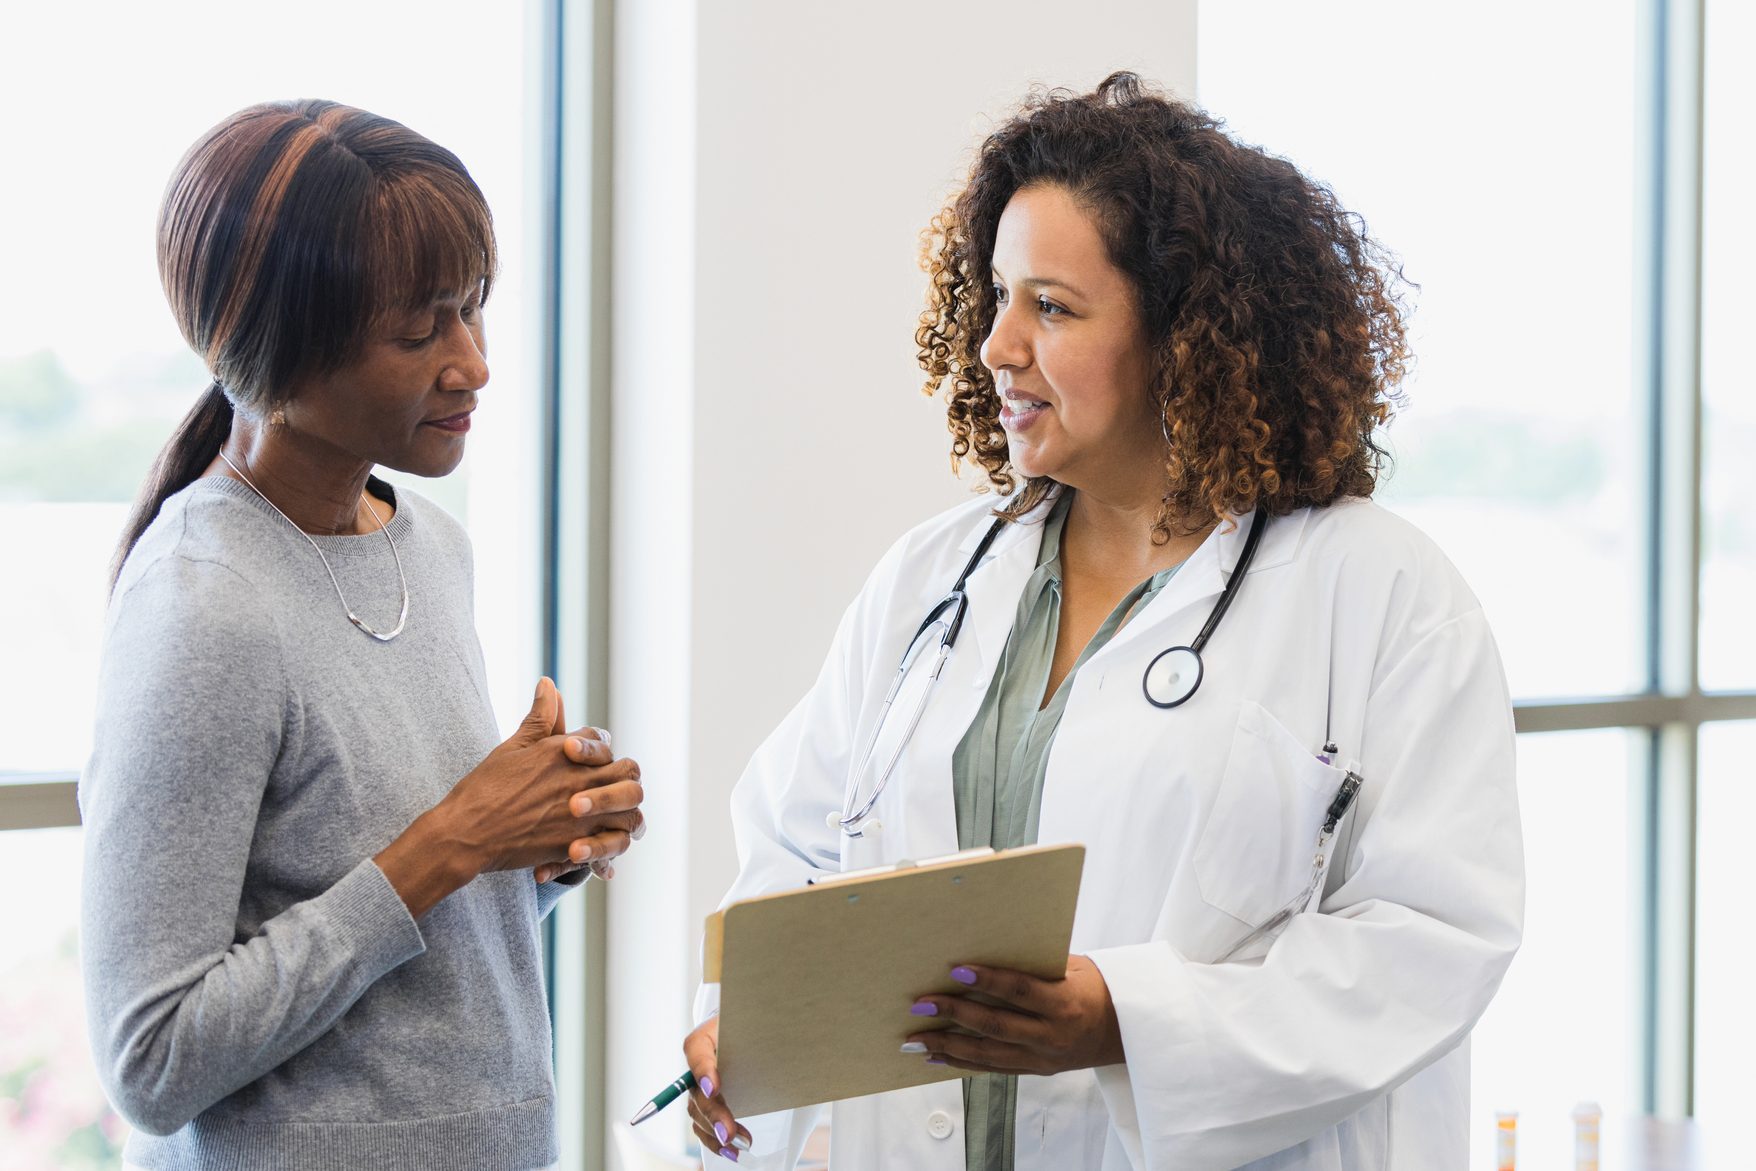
{"x":1339,"y":1043}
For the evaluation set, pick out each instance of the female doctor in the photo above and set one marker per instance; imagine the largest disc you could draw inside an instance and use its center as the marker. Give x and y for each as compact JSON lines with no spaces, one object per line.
{"x":1271,"y":711}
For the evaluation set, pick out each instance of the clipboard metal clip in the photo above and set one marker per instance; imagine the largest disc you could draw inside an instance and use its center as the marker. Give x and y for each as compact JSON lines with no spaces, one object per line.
{"x":903,"y":864}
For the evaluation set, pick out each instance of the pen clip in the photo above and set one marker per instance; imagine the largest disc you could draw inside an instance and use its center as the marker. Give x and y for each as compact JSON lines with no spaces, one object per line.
{"x":1344,"y":799}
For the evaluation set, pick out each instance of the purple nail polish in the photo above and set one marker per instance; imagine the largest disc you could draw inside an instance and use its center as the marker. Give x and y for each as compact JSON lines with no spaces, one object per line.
{"x":963,"y":975}
{"x":707,"y":1087}
{"x":923,"y":1008}
{"x":728,"y":1153}
{"x":720,"y":1132}
{"x":935,"y":1061}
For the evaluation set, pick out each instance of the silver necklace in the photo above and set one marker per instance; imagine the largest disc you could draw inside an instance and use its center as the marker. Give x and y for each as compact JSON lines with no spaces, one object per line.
{"x":402,"y":618}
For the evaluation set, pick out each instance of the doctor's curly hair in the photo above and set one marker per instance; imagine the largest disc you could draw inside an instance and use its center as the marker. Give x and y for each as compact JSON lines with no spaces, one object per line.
{"x":1277,"y":324}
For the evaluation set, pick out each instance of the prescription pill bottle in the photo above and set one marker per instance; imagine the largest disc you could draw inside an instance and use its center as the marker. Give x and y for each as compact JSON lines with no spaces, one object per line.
{"x":1587,"y":1121}
{"x":1506,"y":1140}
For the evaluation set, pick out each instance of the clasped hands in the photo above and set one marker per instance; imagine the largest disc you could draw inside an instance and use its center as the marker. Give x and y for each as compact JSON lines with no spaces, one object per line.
{"x":590,"y":747}
{"x":544,"y":800}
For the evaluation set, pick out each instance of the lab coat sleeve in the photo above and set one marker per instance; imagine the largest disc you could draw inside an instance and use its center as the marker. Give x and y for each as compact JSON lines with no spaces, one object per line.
{"x":1230,"y":1062}
{"x":780,"y":809}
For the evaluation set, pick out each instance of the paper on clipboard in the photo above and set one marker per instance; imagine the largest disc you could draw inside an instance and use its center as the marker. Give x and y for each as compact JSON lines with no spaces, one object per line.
{"x":815,"y":984}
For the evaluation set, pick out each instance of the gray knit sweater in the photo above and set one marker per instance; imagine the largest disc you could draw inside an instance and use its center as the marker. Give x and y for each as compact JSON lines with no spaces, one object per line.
{"x":259,"y":996}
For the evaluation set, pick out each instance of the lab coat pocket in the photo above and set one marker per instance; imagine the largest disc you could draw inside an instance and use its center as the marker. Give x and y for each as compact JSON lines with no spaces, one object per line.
{"x":1255,"y":851}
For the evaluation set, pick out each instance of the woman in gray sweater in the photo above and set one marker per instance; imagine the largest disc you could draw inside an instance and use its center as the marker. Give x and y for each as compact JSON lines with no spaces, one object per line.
{"x":313,"y":879}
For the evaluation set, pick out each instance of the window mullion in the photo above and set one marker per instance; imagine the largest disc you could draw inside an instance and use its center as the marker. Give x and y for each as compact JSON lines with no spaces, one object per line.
{"x":1668,"y":361}
{"x":49,"y":801}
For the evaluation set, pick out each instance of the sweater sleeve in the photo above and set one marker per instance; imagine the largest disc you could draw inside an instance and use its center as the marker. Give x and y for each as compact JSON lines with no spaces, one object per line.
{"x":192,"y":712}
{"x":550,"y":893}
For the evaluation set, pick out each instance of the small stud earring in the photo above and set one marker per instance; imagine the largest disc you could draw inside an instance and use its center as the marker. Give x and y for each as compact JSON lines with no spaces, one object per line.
{"x":278,"y":418}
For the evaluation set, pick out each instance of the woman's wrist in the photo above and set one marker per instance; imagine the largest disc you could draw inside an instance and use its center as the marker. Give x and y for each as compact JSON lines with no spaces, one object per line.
{"x":426,"y":863}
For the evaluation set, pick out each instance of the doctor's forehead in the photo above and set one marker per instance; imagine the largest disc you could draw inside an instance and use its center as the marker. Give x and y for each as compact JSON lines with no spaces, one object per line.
{"x":1046,"y":237}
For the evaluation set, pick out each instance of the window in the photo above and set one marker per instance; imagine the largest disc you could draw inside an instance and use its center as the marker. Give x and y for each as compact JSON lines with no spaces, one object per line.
{"x":1724,"y":1080}
{"x":1554,"y":446}
{"x":93,"y":375}
{"x":52,"y":1112}
{"x":1571,"y":994}
{"x":1728,"y":572}
{"x":1519,"y":449}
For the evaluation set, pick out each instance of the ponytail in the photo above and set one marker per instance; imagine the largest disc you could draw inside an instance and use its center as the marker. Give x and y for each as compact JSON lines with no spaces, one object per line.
{"x":184,"y":457}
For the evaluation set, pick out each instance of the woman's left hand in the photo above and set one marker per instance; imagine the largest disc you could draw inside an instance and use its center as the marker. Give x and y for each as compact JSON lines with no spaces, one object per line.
{"x":1038,"y":1027}
{"x":579,"y":749}
{"x":580,"y":753}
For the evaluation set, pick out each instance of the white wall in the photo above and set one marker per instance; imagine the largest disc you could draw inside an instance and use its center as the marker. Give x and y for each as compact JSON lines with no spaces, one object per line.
{"x":775,"y":163}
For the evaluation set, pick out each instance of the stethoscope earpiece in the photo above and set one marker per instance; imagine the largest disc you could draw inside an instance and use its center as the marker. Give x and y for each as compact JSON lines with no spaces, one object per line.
{"x":839,"y":824}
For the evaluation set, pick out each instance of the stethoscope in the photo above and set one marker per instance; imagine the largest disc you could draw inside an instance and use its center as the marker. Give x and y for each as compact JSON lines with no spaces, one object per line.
{"x":1168,"y":681}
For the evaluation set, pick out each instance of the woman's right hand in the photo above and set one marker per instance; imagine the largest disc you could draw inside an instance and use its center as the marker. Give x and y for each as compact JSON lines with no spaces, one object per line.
{"x":714,"y":1124}
{"x":527,"y":804}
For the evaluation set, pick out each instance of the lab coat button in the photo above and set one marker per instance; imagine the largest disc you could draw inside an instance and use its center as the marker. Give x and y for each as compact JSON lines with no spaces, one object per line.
{"x":939,"y":1124}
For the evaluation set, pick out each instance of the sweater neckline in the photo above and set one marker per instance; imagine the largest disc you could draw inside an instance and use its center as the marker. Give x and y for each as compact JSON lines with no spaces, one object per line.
{"x":349,"y":545}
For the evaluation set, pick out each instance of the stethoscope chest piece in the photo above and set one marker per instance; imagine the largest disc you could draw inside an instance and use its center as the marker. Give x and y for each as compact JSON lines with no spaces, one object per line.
{"x":1172,"y":677}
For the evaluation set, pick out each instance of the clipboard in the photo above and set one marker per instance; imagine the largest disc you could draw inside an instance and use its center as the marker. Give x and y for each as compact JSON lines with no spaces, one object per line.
{"x":815,"y":984}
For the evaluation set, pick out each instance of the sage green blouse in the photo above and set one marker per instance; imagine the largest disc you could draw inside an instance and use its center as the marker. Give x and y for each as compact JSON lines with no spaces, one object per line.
{"x":997,"y":779}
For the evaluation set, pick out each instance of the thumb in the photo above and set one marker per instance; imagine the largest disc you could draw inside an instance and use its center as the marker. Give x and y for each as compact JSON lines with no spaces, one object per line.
{"x":558,"y":727}
{"x":543,"y":710}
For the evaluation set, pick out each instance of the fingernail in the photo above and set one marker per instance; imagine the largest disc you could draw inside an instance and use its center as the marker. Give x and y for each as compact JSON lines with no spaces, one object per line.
{"x":581,"y":806}
{"x":707,"y":1087}
{"x":576,"y":744}
{"x":728,"y":1153}
{"x":935,"y":1061}
{"x":584,"y":853}
{"x":963,"y":975}
{"x":924,"y":1008}
{"x":739,"y":1141}
{"x":604,"y":735}
{"x":542,"y":876}
{"x":719,"y":1132}
{"x":913,"y":1047}
{"x":639,"y":830}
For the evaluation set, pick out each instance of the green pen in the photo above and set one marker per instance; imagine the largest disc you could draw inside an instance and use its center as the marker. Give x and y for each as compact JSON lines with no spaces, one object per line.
{"x":665,"y":1097}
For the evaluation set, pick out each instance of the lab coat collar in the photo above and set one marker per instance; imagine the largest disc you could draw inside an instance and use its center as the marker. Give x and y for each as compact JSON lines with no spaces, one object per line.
{"x":1216,"y":556}
{"x":1203,"y":576}
{"x":995,"y":584}
{"x":1029,"y":525}
{"x":1280,"y":544}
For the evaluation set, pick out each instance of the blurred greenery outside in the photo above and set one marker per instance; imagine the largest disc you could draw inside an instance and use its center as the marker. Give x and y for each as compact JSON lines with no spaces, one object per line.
{"x":63,"y":440}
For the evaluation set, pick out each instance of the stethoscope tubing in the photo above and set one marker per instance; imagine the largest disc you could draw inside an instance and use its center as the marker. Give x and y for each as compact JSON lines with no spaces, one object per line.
{"x":1248,"y":555}
{"x":854,"y":812}
{"x":1194,"y":649}
{"x":957,"y":601}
